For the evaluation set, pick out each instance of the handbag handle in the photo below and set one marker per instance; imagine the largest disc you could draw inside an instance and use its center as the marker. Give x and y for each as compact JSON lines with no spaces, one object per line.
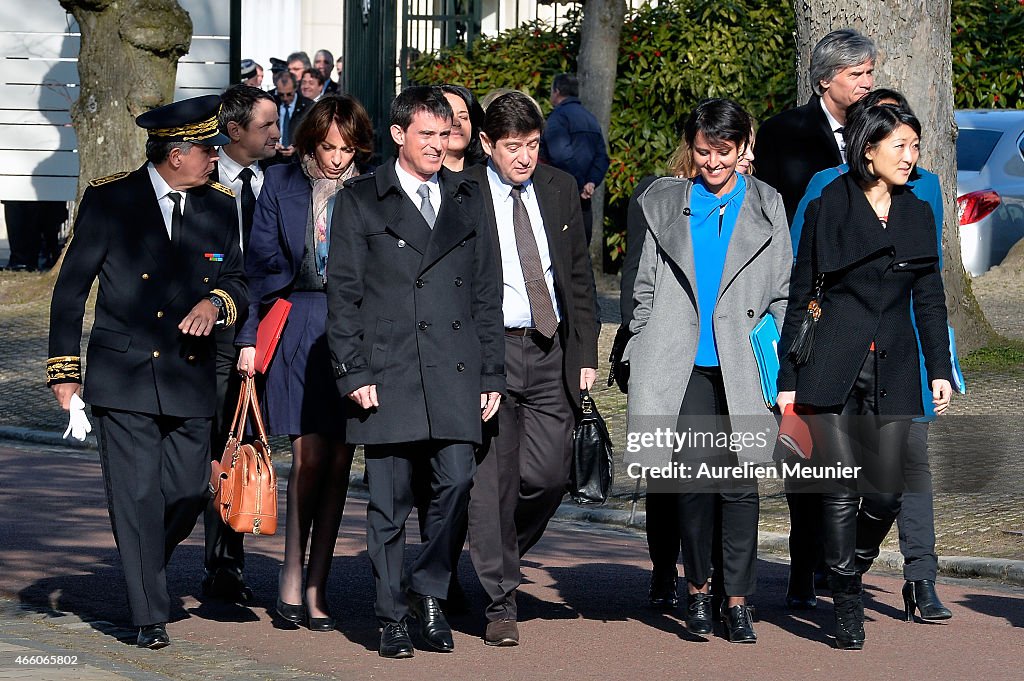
{"x":586,"y":402}
{"x":247,"y":402}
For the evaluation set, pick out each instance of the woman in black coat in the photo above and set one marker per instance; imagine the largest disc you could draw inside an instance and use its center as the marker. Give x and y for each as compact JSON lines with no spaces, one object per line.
{"x":868,"y":254}
{"x":287,"y":258}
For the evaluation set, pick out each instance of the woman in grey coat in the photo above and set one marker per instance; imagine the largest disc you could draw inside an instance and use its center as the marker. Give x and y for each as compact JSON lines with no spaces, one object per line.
{"x":716,"y":259}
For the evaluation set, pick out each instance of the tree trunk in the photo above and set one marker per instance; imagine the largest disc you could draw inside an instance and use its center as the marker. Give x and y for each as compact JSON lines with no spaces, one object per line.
{"x":126,"y":65}
{"x":913,"y":38}
{"x":598,"y":66}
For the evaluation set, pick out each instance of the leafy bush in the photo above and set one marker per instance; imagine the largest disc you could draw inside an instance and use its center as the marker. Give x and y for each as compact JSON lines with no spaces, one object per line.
{"x":988,"y":64}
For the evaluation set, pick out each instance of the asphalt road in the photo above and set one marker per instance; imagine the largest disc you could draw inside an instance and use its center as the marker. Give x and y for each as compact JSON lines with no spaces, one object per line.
{"x":581,"y":609}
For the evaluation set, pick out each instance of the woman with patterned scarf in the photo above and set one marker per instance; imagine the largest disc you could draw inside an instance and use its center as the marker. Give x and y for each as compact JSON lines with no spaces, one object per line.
{"x":287,"y":258}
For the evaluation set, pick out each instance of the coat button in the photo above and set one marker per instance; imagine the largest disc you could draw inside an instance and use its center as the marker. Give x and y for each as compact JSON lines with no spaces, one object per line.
{"x":156,"y":353}
{"x":419,"y":283}
{"x":882,"y":393}
{"x":882,"y":354}
{"x":191,"y":358}
{"x":750,"y":313}
{"x":458,"y":281}
{"x":145,"y":275}
{"x":456,"y":325}
{"x":462,"y":243}
{"x":460,"y":367}
{"x":160,"y":314}
{"x":422,"y":326}
{"x":206,"y":280}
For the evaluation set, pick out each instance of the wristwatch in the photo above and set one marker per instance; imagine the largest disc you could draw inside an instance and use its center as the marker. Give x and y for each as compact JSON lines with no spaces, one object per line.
{"x":218,"y":303}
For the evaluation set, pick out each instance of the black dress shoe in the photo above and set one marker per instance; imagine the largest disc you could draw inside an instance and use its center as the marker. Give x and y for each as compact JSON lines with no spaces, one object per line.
{"x":296,"y":614}
{"x":920,"y":595}
{"x":153,"y":636}
{"x":662,"y":594}
{"x":320,"y":624}
{"x":433,"y":626}
{"x":698,"y":614}
{"x":226,"y":585}
{"x":738,"y":625}
{"x":395,"y":642}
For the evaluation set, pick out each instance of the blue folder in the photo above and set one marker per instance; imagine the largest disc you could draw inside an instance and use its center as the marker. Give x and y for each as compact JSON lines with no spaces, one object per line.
{"x":764,"y":339}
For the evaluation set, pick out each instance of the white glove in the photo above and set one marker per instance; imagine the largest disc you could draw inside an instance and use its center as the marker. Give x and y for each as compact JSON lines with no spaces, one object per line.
{"x":78,"y":425}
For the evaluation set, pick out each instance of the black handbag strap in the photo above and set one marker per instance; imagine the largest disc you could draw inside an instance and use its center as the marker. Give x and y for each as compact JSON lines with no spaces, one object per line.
{"x":586,"y":403}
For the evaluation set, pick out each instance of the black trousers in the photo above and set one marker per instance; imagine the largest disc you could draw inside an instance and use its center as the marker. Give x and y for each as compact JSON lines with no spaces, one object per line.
{"x":389,"y":471}
{"x":852,"y":434}
{"x":732,"y":510}
{"x":31,"y":226}
{"x":523,"y":468}
{"x":156,"y":470}
{"x":916,"y":519}
{"x":224,"y":549}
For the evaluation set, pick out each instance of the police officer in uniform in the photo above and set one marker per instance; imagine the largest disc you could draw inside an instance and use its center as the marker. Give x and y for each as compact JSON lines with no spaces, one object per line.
{"x":163,"y":241}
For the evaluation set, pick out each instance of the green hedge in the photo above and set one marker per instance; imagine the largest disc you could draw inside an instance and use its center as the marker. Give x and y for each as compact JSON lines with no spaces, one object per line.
{"x":682,"y":51}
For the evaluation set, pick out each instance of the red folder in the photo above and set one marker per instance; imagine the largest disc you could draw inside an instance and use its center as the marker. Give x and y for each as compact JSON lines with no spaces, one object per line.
{"x":269,"y":333}
{"x":794,"y":433}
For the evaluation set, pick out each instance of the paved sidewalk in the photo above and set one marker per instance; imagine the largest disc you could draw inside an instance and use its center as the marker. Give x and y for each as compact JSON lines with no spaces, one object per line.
{"x":61,"y":593}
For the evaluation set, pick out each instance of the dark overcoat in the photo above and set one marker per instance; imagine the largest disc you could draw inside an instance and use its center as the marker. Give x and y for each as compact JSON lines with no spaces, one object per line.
{"x":137,"y":359}
{"x":570,"y":265}
{"x":791,"y":147}
{"x":413,"y":310}
{"x":869,"y":275}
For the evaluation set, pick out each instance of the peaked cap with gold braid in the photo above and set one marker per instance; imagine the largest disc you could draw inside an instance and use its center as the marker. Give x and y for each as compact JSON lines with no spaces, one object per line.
{"x":190,"y":120}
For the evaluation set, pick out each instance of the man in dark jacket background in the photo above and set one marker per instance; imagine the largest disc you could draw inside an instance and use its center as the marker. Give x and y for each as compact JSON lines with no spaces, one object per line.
{"x":573,"y":142}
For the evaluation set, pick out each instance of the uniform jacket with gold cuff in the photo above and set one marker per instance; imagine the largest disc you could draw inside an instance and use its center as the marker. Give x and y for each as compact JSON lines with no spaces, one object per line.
{"x":137,"y":359}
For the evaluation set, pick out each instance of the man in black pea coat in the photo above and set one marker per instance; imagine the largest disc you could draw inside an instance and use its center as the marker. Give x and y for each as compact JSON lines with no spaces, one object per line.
{"x":794,"y":145}
{"x":550,"y":352}
{"x":414,"y":327}
{"x":163,"y":241}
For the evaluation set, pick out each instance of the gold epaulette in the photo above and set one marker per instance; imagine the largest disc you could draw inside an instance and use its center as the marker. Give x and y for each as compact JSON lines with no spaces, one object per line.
{"x":230,"y":310}
{"x":66,"y":369}
{"x":100,"y":181}
{"x":223,"y":188}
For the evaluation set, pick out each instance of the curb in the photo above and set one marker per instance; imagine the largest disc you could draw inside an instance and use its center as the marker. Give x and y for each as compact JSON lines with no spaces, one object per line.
{"x":995,"y":569}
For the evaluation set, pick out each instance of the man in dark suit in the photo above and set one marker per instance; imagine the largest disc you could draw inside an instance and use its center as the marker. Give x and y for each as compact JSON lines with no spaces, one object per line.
{"x":323,"y":61}
{"x":414,"y":328}
{"x":163,"y":241}
{"x":291,"y":107}
{"x":550,"y":352}
{"x":248,"y":115}
{"x":794,"y":145}
{"x":791,"y":147}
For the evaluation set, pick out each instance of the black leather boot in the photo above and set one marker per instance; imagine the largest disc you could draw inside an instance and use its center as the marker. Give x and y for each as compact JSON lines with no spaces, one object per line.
{"x":871,"y":533}
{"x":920,"y":595}
{"x":849,"y":610}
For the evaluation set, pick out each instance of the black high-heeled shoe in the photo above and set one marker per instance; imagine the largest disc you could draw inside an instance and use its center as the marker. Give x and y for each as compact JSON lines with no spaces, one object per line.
{"x":320,"y":624}
{"x":296,"y":614}
{"x":920,"y":595}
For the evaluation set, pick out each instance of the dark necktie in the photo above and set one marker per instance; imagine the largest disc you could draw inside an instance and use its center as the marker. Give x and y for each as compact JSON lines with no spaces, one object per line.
{"x":248,"y":204}
{"x":426,"y":209}
{"x":285,"y":122}
{"x":529,"y":258}
{"x":842,"y":143}
{"x":175,"y":218}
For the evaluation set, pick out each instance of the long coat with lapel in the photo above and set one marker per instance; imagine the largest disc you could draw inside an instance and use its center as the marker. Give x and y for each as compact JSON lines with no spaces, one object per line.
{"x":415,"y":311}
{"x":137,"y":359}
{"x":666,"y":318}
{"x":570,"y":264}
{"x":791,"y":147}
{"x":869,"y":275}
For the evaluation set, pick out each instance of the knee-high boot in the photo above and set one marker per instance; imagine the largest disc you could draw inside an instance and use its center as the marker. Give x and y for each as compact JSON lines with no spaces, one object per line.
{"x":849,"y":610}
{"x":871,"y":532}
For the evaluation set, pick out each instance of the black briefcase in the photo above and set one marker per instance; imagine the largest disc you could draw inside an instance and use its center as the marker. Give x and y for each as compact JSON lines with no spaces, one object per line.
{"x":593,"y":465}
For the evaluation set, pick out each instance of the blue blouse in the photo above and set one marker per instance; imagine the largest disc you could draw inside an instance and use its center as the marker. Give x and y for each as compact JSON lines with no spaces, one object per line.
{"x":712,"y":221}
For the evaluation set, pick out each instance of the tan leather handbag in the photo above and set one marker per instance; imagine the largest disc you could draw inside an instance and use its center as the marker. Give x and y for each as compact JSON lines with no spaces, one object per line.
{"x":243,"y":481}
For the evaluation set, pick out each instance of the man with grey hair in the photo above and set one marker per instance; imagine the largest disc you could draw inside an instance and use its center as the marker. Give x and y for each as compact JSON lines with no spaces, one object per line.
{"x":794,"y":145}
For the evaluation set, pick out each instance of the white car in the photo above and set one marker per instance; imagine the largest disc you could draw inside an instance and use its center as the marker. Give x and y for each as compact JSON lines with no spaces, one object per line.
{"x":990,"y":185}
